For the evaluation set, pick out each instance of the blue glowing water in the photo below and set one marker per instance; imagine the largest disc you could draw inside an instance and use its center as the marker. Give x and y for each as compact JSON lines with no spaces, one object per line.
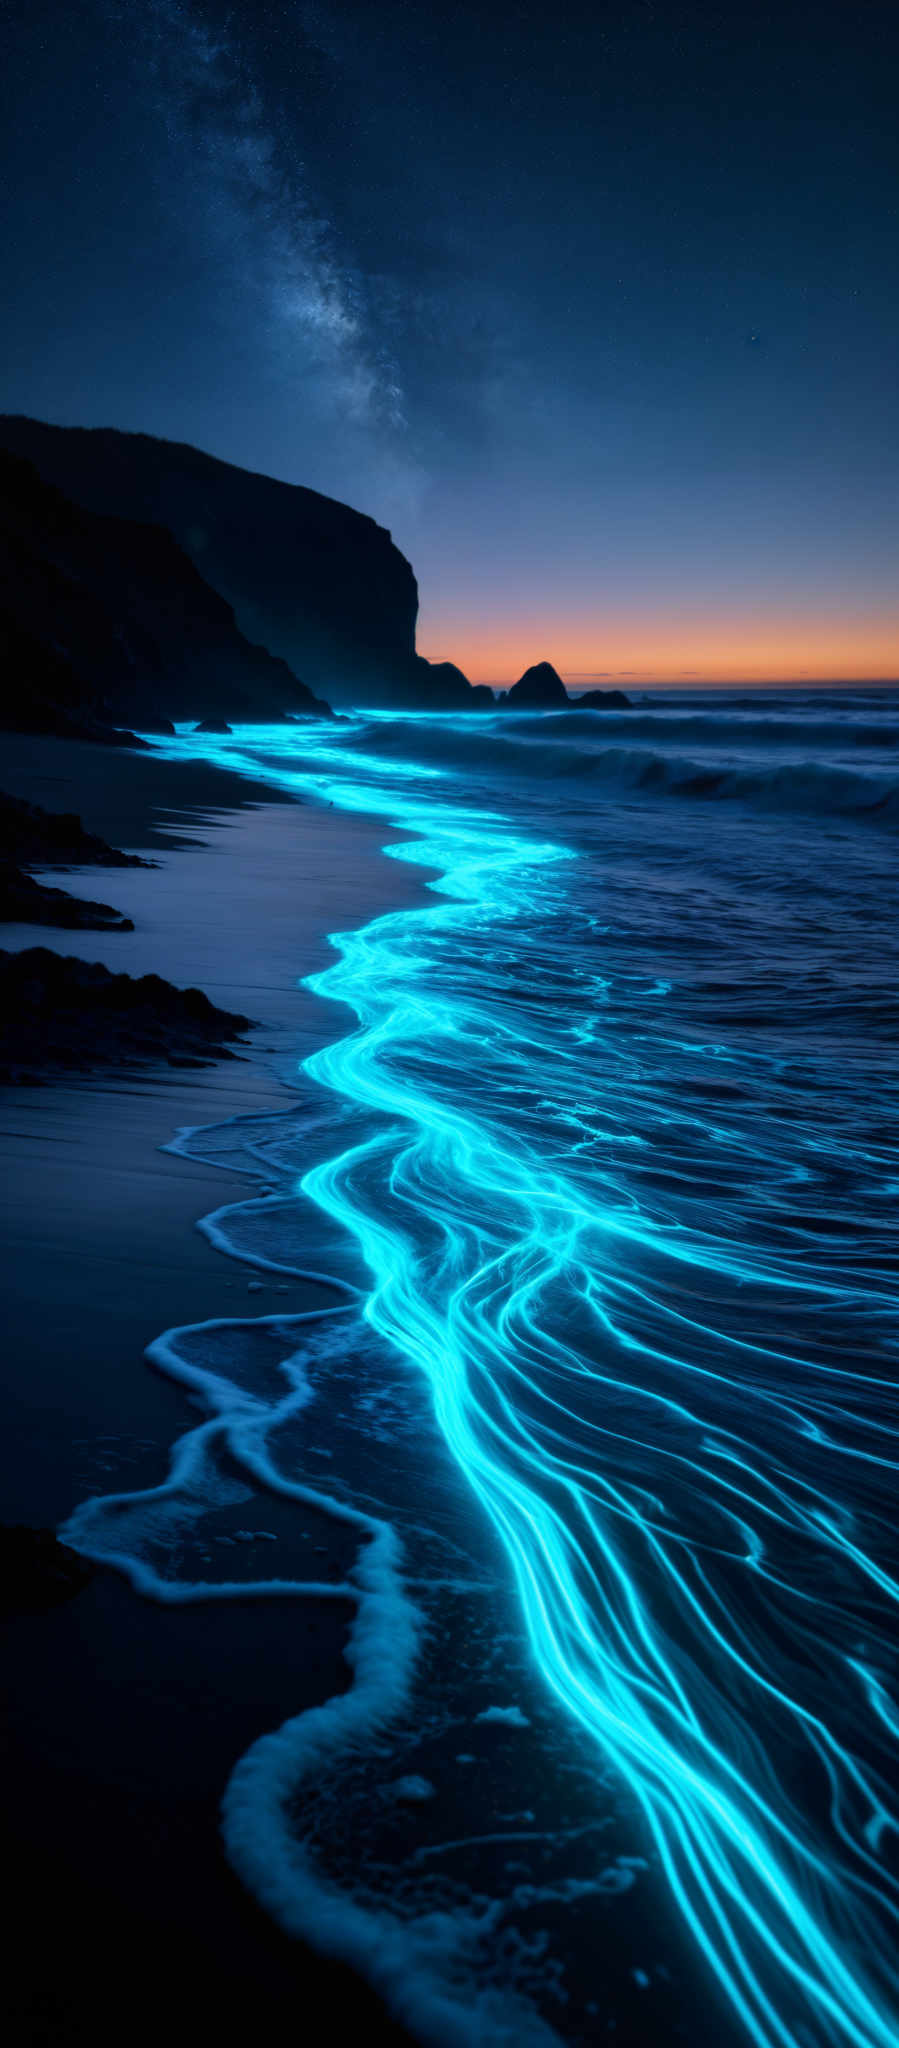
{"x":610,"y":1159}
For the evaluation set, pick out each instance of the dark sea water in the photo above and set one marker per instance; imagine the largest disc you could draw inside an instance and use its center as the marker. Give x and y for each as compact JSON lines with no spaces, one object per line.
{"x":598,"y":1446}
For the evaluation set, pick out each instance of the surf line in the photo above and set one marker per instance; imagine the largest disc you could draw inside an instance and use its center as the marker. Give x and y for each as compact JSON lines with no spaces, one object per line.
{"x":464,"y":1234}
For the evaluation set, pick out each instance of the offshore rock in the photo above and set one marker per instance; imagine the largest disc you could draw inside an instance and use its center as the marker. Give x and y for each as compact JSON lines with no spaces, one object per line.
{"x":540,"y":689}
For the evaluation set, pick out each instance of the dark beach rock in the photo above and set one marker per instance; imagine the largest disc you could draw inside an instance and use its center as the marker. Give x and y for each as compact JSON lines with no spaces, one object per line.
{"x":37,"y":1571}
{"x":37,"y":838}
{"x":32,"y":837}
{"x":57,"y":1012}
{"x":601,"y":700}
{"x":214,"y":725}
{"x":25,"y":901}
{"x":540,"y":689}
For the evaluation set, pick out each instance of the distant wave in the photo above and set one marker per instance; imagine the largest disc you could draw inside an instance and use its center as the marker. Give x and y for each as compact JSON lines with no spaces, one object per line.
{"x":716,"y":729}
{"x":786,"y":786}
{"x":825,"y":701}
{"x":604,"y":1438}
{"x":535,"y":751}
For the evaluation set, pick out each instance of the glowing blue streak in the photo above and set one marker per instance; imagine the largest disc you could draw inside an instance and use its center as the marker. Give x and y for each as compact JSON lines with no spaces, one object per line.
{"x":479,"y":1249}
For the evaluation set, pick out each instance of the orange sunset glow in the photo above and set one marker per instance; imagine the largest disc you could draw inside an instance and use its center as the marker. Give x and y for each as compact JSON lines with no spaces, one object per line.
{"x":753,"y":647}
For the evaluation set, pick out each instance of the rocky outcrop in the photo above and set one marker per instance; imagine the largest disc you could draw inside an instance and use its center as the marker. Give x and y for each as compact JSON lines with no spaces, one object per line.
{"x":540,"y":689}
{"x":26,"y":901}
{"x":31,"y":837}
{"x":55,"y":839}
{"x":317,"y":583}
{"x":57,"y":1012}
{"x":221,"y":589}
{"x":109,"y":621}
{"x":320,"y":585}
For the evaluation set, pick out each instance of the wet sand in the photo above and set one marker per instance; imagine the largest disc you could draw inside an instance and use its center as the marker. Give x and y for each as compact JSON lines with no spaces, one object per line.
{"x":122,"y":1719}
{"x":127,"y":795}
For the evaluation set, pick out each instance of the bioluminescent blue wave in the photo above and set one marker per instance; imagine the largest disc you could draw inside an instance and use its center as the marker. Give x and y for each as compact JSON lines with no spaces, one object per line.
{"x":621,"y":1177}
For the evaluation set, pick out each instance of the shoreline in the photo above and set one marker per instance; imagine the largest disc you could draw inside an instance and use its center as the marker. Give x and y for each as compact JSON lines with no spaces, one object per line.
{"x":123,"y":1718}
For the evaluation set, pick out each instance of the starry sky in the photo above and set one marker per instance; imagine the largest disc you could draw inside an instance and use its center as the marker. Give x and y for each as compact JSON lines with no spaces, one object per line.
{"x":595,"y":306}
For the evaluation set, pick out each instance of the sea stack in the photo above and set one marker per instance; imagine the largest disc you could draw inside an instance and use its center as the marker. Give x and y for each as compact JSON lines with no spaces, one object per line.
{"x":540,"y":689}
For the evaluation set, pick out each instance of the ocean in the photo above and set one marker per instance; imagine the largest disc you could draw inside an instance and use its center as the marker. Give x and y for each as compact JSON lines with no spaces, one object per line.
{"x":597,"y":1446}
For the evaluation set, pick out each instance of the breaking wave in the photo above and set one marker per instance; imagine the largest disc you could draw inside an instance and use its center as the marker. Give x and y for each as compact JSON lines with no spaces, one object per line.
{"x":598,"y":1444}
{"x":555,"y":747}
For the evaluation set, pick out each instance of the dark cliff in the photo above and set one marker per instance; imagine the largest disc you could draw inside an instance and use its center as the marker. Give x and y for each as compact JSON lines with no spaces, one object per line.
{"x":106,"y":620}
{"x":318,"y":584}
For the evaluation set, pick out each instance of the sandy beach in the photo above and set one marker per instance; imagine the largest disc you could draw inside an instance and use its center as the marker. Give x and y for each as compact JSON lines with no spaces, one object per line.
{"x":122,"y":1718}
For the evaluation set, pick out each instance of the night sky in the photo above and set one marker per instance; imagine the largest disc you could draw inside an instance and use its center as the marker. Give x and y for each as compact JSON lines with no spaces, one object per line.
{"x":595,"y":306}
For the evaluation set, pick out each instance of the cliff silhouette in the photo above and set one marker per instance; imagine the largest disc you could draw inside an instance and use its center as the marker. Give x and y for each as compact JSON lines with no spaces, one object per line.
{"x":319,"y":585}
{"x":143,"y":582}
{"x":105,"y":622}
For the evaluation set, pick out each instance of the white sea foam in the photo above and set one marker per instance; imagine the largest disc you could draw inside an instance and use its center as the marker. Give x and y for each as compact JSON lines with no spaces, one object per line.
{"x":429,"y":1950}
{"x":620,"y":1209}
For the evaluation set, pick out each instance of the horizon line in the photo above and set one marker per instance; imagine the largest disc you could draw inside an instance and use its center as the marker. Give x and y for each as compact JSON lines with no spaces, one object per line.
{"x":580,"y":680}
